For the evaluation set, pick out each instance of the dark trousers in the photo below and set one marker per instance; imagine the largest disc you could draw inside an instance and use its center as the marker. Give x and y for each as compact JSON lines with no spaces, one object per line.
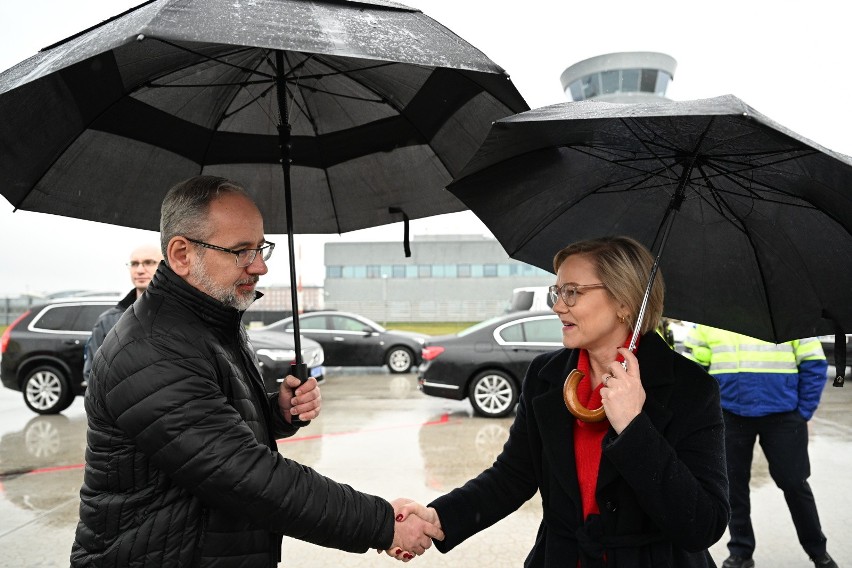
{"x":784,"y":440}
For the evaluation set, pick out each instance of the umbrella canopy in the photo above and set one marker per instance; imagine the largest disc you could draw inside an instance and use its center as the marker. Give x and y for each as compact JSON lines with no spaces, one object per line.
{"x":365,"y":109}
{"x":385,"y":106}
{"x":759,"y":219}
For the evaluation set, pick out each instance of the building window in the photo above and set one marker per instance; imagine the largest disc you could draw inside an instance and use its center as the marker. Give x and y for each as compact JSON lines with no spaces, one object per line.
{"x":373,"y":271}
{"x":438,"y":271}
{"x":398,"y":271}
{"x":649,"y":80}
{"x":591,"y":86}
{"x":334,"y":271}
{"x":610,"y":82}
{"x":411,"y":271}
{"x":464,"y":271}
{"x":489,"y":270}
{"x":424,"y":271}
{"x":630,"y":80}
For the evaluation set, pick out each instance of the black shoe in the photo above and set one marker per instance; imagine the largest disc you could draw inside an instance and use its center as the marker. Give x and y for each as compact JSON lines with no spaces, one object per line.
{"x":734,"y":561}
{"x":824,"y":561}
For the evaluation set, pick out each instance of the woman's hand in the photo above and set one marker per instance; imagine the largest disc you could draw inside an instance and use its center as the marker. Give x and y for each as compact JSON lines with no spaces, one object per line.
{"x":623,"y":395}
{"x":413,"y":518}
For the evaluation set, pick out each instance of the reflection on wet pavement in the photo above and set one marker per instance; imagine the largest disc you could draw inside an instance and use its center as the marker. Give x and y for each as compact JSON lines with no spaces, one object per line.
{"x":379,"y":434}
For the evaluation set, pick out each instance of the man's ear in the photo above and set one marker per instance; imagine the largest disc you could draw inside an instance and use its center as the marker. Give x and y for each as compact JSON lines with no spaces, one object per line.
{"x":179,"y":254}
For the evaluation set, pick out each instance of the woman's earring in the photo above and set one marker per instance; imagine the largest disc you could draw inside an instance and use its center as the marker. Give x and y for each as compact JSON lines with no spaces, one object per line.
{"x":621,"y":318}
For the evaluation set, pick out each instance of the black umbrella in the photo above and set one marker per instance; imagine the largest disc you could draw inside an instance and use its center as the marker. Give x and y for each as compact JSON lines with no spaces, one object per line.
{"x":366,"y":109}
{"x":755,"y":219}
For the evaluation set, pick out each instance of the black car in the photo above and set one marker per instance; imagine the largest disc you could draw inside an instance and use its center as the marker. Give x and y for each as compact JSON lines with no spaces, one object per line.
{"x":276,"y":351}
{"x":487,"y":362}
{"x":351,"y":340}
{"x":41,"y":353}
{"x":827,"y":342}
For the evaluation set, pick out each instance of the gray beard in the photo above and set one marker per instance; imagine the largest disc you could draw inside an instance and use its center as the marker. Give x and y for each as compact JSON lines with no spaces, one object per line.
{"x":225,"y":294}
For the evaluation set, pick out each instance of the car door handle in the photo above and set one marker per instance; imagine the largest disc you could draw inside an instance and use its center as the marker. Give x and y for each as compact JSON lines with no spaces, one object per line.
{"x":71,"y":342}
{"x":339,"y":339}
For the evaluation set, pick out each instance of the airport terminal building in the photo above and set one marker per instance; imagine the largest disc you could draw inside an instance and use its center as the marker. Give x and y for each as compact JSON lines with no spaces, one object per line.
{"x":446,"y":278}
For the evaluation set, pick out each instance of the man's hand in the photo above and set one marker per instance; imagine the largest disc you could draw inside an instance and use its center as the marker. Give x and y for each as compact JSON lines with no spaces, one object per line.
{"x":302,"y":400}
{"x":414,"y":530}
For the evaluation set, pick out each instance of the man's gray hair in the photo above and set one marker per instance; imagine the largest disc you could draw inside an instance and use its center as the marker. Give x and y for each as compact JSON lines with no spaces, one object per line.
{"x":186,"y":205}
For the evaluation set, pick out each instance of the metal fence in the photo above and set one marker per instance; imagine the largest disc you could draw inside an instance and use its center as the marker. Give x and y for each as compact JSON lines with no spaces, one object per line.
{"x":11,"y":308}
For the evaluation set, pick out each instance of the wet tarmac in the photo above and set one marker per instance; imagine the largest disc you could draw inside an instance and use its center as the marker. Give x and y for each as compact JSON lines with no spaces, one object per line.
{"x":379,"y":434}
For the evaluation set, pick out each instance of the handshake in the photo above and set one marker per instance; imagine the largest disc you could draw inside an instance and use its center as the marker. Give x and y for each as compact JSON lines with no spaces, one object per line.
{"x":414,"y":529}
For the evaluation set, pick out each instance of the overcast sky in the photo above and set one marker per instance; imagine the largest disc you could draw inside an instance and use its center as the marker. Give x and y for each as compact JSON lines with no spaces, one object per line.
{"x":788,"y":60}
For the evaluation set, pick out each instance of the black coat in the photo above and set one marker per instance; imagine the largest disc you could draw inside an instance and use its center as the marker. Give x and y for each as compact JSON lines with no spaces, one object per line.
{"x":662,"y":487}
{"x":182,"y":468}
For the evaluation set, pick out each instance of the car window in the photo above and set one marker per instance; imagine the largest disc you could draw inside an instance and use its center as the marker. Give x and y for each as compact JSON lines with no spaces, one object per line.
{"x":513,"y":333}
{"x":546,"y":330}
{"x":86,"y":317}
{"x":538,"y":330}
{"x":55,"y":318}
{"x":316,"y":322}
{"x":342,"y":323}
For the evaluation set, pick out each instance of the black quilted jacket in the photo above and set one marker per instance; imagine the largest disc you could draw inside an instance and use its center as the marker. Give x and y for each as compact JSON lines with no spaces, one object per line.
{"x":182,"y":468}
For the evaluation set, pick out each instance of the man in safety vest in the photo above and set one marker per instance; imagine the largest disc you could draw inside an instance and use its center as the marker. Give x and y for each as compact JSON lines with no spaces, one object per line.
{"x":768,"y":392}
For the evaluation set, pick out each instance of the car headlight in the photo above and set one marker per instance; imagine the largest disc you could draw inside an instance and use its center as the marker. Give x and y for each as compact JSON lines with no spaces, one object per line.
{"x":278,"y":354}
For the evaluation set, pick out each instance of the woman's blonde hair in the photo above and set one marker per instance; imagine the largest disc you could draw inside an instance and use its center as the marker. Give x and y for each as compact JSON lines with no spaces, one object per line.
{"x":624,"y":266}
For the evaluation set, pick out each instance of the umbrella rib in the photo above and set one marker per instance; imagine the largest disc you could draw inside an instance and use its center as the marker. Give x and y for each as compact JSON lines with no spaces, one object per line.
{"x":738,"y":179}
{"x":105,"y":110}
{"x":625,"y":162}
{"x":242,"y":84}
{"x":745,"y":231}
{"x":217,"y":59}
{"x":306,"y":112}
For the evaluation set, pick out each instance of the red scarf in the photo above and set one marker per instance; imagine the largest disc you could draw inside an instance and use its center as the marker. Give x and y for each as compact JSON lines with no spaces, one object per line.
{"x":588,"y":436}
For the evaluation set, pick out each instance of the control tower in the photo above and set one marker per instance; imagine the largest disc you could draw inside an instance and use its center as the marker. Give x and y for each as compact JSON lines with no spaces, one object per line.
{"x":632,"y":76}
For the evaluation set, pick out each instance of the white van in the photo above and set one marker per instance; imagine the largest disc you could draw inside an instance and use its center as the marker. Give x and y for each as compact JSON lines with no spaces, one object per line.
{"x":530,"y":298}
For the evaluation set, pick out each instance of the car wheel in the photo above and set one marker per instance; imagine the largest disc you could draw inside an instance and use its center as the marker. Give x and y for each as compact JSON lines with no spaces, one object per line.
{"x":493,"y":394}
{"x":46,"y":390}
{"x":400,"y":360}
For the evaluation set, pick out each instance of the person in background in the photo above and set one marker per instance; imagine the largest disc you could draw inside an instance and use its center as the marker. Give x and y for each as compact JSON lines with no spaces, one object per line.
{"x":182,"y":466}
{"x":142,"y":264}
{"x":646,"y":486}
{"x":769,"y":392}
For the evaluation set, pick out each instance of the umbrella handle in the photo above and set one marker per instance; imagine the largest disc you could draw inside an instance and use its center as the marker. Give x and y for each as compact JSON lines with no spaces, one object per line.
{"x":569,"y":393}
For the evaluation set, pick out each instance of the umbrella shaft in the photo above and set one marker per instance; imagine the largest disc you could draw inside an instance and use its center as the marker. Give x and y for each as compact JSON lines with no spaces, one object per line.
{"x":284,"y":139}
{"x":668,"y":220}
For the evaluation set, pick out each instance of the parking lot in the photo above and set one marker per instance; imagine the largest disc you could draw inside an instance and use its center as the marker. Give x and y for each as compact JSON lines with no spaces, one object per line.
{"x":381,"y":435}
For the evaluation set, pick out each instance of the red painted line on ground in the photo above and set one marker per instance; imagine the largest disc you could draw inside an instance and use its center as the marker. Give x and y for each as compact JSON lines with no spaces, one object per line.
{"x":39,"y":470}
{"x":444,"y":419}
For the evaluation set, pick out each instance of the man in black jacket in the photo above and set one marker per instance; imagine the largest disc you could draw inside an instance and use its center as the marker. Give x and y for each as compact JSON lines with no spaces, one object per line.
{"x":182,"y":468}
{"x":142,"y":264}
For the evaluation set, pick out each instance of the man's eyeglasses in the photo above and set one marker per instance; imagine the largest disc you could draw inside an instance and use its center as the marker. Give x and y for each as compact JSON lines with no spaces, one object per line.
{"x":244,"y":257}
{"x":147,"y":263}
{"x":568,"y":292}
